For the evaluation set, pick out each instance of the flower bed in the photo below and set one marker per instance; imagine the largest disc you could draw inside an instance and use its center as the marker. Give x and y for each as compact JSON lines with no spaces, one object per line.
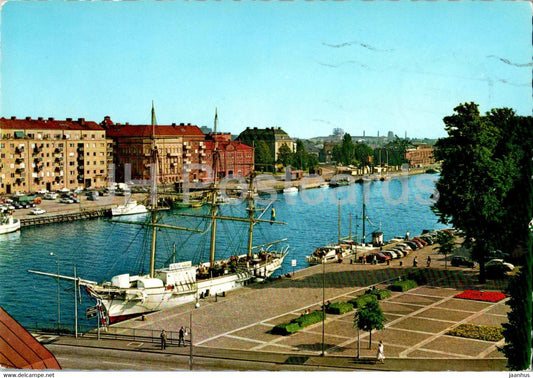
{"x":485,"y":296}
{"x":472,"y":331}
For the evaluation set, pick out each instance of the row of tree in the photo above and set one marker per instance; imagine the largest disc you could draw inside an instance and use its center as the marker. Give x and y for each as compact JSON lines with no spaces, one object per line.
{"x":485,"y":191}
{"x":360,"y":154}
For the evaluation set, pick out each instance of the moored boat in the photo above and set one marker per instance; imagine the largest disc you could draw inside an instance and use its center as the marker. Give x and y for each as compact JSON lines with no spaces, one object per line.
{"x":291,"y":189}
{"x":129,"y":208}
{"x":8,"y":223}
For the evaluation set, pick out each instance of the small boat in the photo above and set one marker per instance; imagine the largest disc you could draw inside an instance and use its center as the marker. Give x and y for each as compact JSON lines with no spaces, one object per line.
{"x":37,"y":211}
{"x":129,"y":208}
{"x":331,"y":253}
{"x":340,"y":182}
{"x":292,"y":189}
{"x":187,"y":204}
{"x":8,"y":223}
{"x":324,"y":185}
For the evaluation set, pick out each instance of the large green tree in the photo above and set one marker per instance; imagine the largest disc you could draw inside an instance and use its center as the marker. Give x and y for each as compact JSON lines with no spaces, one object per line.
{"x":477,"y":174}
{"x":284,"y":155}
{"x":485,"y":190}
{"x":368,"y":318}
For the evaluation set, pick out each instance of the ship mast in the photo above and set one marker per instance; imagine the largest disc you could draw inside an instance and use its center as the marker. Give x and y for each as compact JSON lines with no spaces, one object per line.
{"x":214,"y":207}
{"x":251,"y":213}
{"x":153,"y":193}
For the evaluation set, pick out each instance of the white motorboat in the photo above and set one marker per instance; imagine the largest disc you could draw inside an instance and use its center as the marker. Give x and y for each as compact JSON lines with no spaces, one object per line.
{"x":129,"y":208}
{"x":8,"y":223}
{"x":292,"y":189}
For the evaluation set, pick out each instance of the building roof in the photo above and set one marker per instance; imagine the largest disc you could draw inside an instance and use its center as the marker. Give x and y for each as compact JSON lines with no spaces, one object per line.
{"x":19,"y":349}
{"x":225,"y":146}
{"x":51,"y":124}
{"x":118,"y":130}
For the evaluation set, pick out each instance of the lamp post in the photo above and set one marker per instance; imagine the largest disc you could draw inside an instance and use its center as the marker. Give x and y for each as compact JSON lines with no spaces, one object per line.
{"x":323,"y":302}
{"x":58,"y":297}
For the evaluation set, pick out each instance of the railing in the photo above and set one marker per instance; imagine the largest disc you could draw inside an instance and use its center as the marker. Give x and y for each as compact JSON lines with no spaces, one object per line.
{"x":113,"y":332}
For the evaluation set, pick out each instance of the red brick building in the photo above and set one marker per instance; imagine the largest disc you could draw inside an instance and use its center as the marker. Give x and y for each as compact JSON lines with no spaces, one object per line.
{"x":236,"y":158}
{"x":420,"y":156}
{"x":181,"y":150}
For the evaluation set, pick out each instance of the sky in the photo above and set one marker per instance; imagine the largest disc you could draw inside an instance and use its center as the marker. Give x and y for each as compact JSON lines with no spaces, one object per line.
{"x":305,"y":66}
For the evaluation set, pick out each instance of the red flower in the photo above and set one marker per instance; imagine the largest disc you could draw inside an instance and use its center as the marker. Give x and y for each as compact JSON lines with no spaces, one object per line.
{"x":485,"y":296}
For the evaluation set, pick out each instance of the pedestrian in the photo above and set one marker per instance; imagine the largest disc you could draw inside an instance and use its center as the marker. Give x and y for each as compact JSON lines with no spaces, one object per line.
{"x":428,"y":261}
{"x":163,"y":337}
{"x":180,"y":336}
{"x":381,"y":355}
{"x":415,"y":262}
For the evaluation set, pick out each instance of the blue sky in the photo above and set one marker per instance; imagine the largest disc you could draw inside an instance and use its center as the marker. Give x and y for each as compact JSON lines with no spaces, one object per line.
{"x":306,"y":66}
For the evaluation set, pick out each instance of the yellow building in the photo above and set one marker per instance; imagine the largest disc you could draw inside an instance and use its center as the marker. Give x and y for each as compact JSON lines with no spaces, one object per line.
{"x":37,"y":154}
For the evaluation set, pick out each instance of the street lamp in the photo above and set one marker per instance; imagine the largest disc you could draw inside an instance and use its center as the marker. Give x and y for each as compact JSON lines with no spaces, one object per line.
{"x":58,"y":297}
{"x":323,"y":302}
{"x":75,"y":298}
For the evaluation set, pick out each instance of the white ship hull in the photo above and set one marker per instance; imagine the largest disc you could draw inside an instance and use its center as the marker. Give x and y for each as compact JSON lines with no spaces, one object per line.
{"x":129,"y":209}
{"x":9,"y":224}
{"x":177,"y":285}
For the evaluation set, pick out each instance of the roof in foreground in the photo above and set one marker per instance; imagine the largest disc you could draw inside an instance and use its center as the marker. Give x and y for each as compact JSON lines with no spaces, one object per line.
{"x":20,"y":350}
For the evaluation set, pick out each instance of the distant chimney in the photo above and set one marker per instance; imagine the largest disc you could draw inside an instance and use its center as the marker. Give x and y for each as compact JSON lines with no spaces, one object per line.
{"x":173,"y":124}
{"x":13,"y":117}
{"x":40,"y":119}
{"x":182,"y":124}
{"x":127,"y":123}
{"x":50,"y":118}
{"x":81,"y":121}
{"x":28,"y":118}
{"x":69,"y":119}
{"x":188,"y":124}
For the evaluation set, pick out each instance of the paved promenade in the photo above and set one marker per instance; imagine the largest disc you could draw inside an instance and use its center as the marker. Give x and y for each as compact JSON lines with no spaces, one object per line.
{"x":238,"y":326}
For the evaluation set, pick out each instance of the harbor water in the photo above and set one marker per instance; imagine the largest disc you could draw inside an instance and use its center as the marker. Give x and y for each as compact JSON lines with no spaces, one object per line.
{"x":99,"y":249}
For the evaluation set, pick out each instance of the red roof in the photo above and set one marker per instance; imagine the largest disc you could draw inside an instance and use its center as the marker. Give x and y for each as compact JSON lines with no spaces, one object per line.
{"x":160,"y":130}
{"x":19,"y":349}
{"x":50,"y":124}
{"x":210,"y":145}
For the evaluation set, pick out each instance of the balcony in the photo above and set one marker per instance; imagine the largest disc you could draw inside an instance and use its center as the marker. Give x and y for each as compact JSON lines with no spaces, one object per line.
{"x":19,"y":150}
{"x":19,"y":170}
{"x":19,"y":160}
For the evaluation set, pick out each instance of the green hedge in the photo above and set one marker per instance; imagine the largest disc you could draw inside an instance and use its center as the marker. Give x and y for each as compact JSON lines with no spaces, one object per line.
{"x":480,"y":332}
{"x":403,"y":285}
{"x":381,"y":293}
{"x":308,"y":319}
{"x":339,"y":308}
{"x":362,"y":300}
{"x":286,"y":329}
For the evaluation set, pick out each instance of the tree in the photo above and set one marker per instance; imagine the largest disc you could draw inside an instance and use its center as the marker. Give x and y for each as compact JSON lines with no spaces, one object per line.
{"x":446,"y":245}
{"x":368,"y":318}
{"x":300,"y":157}
{"x":395,"y":150}
{"x":284,"y":155}
{"x":476,"y":176}
{"x":264,"y":158}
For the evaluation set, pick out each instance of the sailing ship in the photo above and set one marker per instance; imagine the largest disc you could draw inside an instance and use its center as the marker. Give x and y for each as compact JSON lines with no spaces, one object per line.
{"x":127,"y":295}
{"x":8,"y":223}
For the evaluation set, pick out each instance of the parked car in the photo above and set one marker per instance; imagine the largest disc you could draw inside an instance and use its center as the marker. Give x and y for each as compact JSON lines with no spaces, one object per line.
{"x":412,"y":244}
{"x":380,"y":257}
{"x":498,"y":254}
{"x":500,"y":262}
{"x":392,"y":254}
{"x":37,"y":211}
{"x":462,"y":261}
{"x":66,"y":200}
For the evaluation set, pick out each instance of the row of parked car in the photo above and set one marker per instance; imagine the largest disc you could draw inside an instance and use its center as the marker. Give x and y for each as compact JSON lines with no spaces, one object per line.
{"x":403,"y":248}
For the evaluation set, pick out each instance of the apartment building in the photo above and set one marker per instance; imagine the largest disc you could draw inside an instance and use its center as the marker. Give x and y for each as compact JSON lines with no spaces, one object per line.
{"x":420,"y":156}
{"x":235,"y":158}
{"x":181,"y":151}
{"x":37,"y":154}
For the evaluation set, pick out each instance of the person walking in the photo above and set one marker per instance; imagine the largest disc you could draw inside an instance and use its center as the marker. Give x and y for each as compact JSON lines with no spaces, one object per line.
{"x":415,"y":261}
{"x":180,"y":336}
{"x":381,"y":355}
{"x":163,"y":337}
{"x":429,"y":261}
